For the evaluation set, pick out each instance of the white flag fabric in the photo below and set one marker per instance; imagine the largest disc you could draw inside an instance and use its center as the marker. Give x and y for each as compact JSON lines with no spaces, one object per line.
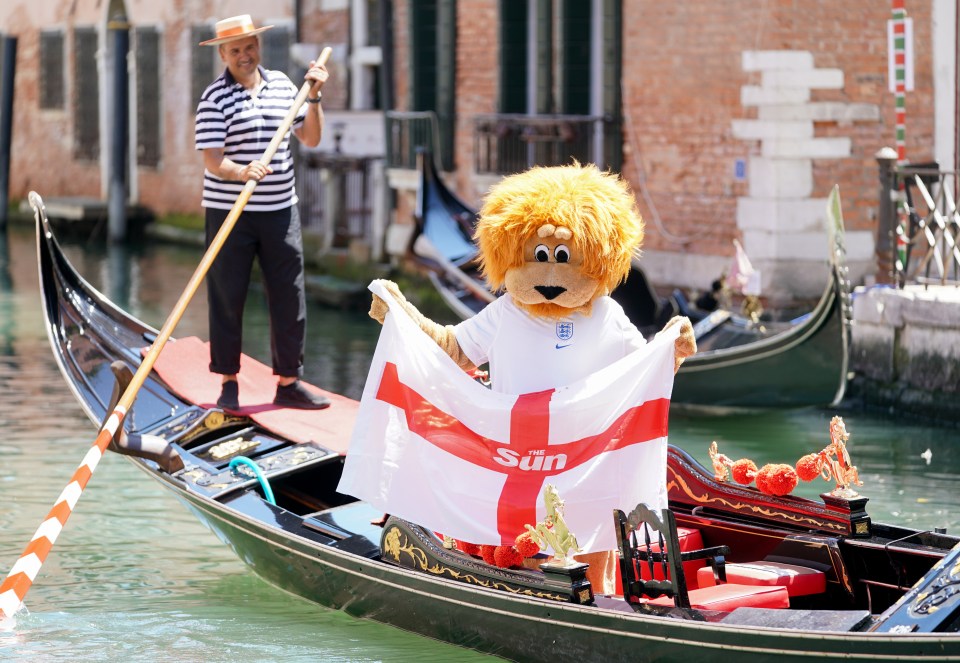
{"x":743,"y":277}
{"x":433,"y":446}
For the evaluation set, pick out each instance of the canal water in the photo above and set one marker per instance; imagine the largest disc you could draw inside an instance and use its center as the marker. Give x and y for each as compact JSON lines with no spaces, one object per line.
{"x":134,"y":576}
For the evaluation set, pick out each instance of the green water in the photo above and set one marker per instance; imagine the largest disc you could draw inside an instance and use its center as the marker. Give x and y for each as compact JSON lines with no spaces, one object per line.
{"x":134,"y":577}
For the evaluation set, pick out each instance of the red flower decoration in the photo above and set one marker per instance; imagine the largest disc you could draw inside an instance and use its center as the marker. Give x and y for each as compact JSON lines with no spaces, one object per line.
{"x":808,"y":467}
{"x":486,"y":552}
{"x":507,"y":556}
{"x":526,"y":546}
{"x":469,"y":548}
{"x":776,"y":479}
{"x":744,"y":471}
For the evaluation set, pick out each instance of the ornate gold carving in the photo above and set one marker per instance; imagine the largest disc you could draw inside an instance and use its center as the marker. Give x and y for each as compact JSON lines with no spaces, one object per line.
{"x":232,"y":447}
{"x":706,"y":500}
{"x":836,"y":462}
{"x":720,"y":463}
{"x":553,"y":530}
{"x":943,"y":592}
{"x":396,"y":542}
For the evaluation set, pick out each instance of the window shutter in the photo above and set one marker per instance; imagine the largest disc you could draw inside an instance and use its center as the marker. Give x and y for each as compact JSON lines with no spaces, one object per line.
{"x":423,"y":54}
{"x":51,"y":70}
{"x":275,"y":50}
{"x":446,"y":77}
{"x":612,"y":72}
{"x":575,"y":71}
{"x":86,"y":96}
{"x":147,"y":42}
{"x":205,"y":64}
{"x":545,"y":103}
{"x":513,"y":56}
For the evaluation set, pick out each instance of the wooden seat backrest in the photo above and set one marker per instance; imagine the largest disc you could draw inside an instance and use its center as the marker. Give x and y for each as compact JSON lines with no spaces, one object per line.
{"x":647,"y":539}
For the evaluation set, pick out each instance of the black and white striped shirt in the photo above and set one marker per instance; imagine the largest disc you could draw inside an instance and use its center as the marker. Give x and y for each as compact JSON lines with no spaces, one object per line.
{"x":229,"y":117}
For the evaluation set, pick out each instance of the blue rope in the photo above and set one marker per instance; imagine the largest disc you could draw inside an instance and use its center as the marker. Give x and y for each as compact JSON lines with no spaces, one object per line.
{"x":267,"y":492}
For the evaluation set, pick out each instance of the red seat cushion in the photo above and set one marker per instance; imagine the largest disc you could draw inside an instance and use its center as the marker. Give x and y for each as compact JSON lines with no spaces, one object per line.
{"x":730,"y":597}
{"x":799,"y":580}
{"x":690,"y":539}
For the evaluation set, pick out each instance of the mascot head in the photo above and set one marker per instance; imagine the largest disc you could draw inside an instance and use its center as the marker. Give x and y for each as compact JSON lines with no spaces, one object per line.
{"x":557,"y":238}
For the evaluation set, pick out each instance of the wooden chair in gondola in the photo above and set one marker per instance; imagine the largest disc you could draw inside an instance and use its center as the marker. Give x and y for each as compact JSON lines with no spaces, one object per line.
{"x":652,"y":573}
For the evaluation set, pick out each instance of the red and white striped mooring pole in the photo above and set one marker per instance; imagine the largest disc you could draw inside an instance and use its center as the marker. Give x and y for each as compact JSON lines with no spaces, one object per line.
{"x":900,"y":77}
{"x":21,"y":576}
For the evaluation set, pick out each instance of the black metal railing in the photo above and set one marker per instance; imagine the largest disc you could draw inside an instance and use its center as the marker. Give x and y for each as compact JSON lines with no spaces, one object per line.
{"x":336,"y":194}
{"x":408,"y":131}
{"x":510,"y":143}
{"x":927,"y":227}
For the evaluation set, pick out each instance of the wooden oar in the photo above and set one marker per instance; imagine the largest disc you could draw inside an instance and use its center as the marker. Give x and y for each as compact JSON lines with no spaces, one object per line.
{"x":20,"y":578}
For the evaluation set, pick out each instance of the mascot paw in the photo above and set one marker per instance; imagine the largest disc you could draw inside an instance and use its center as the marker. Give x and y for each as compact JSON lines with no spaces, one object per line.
{"x":686,"y":344}
{"x":378,"y":307}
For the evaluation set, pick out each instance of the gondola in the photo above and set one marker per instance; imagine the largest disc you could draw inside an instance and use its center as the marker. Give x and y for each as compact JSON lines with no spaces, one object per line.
{"x":739,"y":364}
{"x":885,"y":592}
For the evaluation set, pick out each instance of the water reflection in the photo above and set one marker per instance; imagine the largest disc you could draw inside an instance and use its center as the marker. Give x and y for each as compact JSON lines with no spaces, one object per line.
{"x":135,"y":576}
{"x":6,"y":302}
{"x":117,"y":266}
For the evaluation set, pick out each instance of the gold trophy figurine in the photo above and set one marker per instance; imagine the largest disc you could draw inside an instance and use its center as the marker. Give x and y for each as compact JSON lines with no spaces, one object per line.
{"x":553,"y":530}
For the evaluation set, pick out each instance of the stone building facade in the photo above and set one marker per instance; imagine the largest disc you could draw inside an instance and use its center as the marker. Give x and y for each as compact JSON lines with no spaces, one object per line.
{"x":728,"y":123}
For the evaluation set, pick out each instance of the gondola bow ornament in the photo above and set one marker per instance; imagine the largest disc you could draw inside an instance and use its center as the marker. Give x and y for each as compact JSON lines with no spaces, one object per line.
{"x":435,"y":447}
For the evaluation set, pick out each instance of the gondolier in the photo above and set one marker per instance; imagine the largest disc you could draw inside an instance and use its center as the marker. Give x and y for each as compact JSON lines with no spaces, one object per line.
{"x":237,"y":116}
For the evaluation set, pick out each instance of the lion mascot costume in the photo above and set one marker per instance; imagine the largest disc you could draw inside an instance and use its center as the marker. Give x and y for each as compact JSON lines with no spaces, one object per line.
{"x":556,"y":241}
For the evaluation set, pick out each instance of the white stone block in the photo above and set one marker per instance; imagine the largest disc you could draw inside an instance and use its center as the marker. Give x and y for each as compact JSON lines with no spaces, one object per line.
{"x":767,"y":60}
{"x":812,"y":246}
{"x":821,"y":111}
{"x":861,"y":247}
{"x":780,"y":178}
{"x":816,"y":79}
{"x":776,"y":247}
{"x":810,"y":148}
{"x":868,"y":308}
{"x":683,"y":269}
{"x":782,"y":216}
{"x":397,"y":239}
{"x":763,"y":129}
{"x":920,"y":341}
{"x":754,"y":95}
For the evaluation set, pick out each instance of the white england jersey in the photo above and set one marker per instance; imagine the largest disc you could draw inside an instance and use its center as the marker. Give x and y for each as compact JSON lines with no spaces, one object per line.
{"x":529,"y":354}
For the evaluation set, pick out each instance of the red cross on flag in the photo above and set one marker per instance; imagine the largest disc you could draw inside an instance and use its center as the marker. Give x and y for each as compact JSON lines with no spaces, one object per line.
{"x":435,"y":447}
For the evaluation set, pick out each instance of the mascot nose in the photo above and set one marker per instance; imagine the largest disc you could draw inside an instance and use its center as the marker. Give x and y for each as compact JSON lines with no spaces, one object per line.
{"x":550,"y":291}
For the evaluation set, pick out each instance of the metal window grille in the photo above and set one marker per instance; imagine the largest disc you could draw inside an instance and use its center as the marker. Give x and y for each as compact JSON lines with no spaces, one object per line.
{"x":51,"y":70}
{"x":86,"y":96}
{"x":336,"y":193}
{"x":373,"y":22}
{"x":148,"y":96}
{"x":275,"y":49}
{"x":205,"y":63}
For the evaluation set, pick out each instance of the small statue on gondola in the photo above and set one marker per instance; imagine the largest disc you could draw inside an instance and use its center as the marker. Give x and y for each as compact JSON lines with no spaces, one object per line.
{"x":553,"y":531}
{"x":833,"y":463}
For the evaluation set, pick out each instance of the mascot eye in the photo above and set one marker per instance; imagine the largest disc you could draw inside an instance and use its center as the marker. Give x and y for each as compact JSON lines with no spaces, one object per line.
{"x":562,"y":253}
{"x":541,"y":253}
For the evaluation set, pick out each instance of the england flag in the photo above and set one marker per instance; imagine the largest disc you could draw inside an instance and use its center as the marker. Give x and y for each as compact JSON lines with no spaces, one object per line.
{"x":435,"y":447}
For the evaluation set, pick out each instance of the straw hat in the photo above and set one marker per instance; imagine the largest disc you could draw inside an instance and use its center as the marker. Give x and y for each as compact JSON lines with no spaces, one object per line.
{"x":233,"y":28}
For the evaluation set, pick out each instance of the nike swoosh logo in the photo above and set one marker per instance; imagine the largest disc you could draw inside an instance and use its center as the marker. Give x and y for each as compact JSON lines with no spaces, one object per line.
{"x":563,"y":346}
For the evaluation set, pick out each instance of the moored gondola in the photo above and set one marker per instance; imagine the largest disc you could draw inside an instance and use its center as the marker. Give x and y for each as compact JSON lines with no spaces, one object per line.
{"x":875,"y":592}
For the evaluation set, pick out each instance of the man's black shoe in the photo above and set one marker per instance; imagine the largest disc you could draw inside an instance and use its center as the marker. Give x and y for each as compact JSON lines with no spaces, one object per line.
{"x":295,"y":395}
{"x":229,"y":396}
